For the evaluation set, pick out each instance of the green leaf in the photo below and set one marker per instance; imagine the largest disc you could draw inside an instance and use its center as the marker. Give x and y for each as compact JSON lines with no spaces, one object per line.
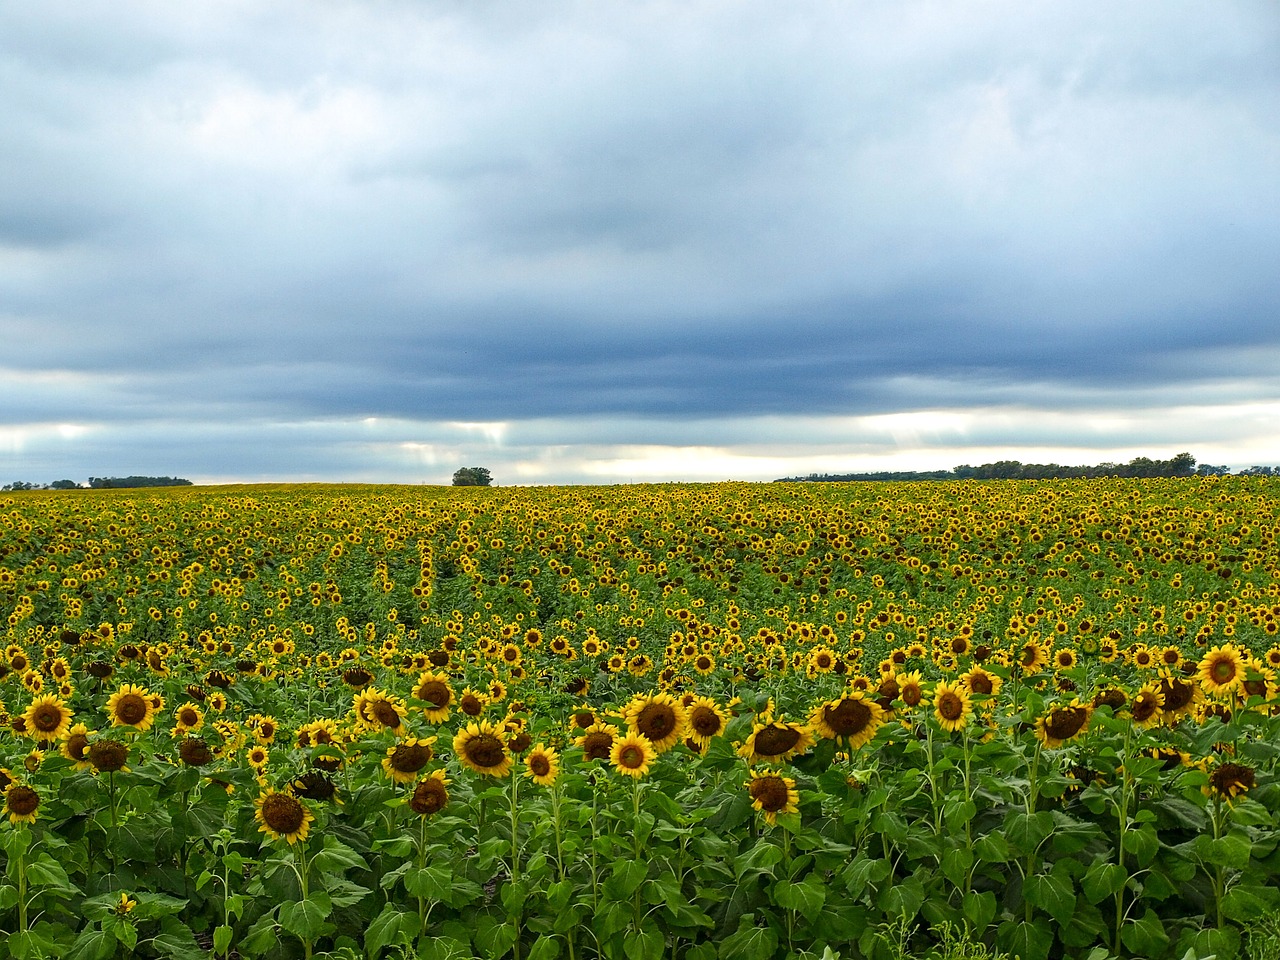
{"x":1026,"y":831}
{"x":261,"y":937}
{"x":92,"y":944}
{"x":1102,"y":880}
{"x":47,"y":872}
{"x":305,"y":919}
{"x":1052,"y":894}
{"x":336,"y":857}
{"x":761,"y":858}
{"x":749,"y":942}
{"x":626,"y":879}
{"x":8,"y":896}
{"x":392,"y":925}
{"x":1027,"y":941}
{"x":1231,"y":851}
{"x":1142,"y":843}
{"x":1247,"y":903}
{"x":430,"y":883}
{"x":1145,"y":937}
{"x":902,"y":899}
{"x":956,"y":863}
{"x":547,"y":948}
{"x":992,"y":848}
{"x":979,"y":910}
{"x":222,"y":935}
{"x":121,"y":930}
{"x":647,"y":944}
{"x":805,"y":897}
{"x":344,"y":893}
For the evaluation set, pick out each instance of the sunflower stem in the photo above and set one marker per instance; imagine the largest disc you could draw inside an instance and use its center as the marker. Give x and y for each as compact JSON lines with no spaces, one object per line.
{"x":1122,"y":826}
{"x":22,"y":889}
{"x":515,"y":855}
{"x":302,"y":869}
{"x":635,"y":836}
{"x":1033,"y":799}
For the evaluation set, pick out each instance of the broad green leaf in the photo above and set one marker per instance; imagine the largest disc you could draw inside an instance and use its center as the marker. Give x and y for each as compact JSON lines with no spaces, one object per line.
{"x":305,"y":919}
{"x":1145,"y":937}
{"x":647,"y":944}
{"x":1027,"y":941}
{"x":1052,"y":894}
{"x":1102,"y":880}
{"x":749,"y":942}
{"x":392,"y":925}
{"x":805,"y":897}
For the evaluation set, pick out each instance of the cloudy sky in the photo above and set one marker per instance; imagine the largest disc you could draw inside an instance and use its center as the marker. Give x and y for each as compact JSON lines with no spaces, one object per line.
{"x":601,"y":242}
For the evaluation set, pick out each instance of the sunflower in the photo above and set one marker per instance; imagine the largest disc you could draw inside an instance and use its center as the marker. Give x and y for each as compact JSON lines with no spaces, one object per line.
{"x":1146,"y":705}
{"x":282,"y":816}
{"x":318,"y":733}
{"x":1221,"y":671}
{"x":1181,"y":697}
{"x":775,"y":741}
{"x":189,"y":718}
{"x":773,"y":794}
{"x":405,"y":760}
{"x":597,"y":741}
{"x":76,"y":746}
{"x":258,"y":757}
{"x":433,"y":688}
{"x":1230,"y":780}
{"x":378,"y":710}
{"x":911,"y":689}
{"x":472,"y":702}
{"x":980,"y":682}
{"x":48,"y":718}
{"x":1063,"y":723}
{"x":706,"y":719}
{"x":315,"y":785}
{"x":632,"y":755}
{"x":20,"y":803}
{"x":194,"y":751}
{"x":430,"y":795}
{"x":583,"y":717}
{"x":952,"y":706}
{"x":131,"y":706}
{"x":542,"y":765}
{"x":852,"y":719}
{"x":108,"y":756}
{"x":482,"y":748}
{"x":1032,"y":657}
{"x":658,"y":717}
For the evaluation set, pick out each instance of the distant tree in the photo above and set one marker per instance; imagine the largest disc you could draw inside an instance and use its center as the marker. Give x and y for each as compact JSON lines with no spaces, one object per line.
{"x":472,"y":477}
{"x":19,"y":485}
{"x":63,"y":485}
{"x":112,"y":483}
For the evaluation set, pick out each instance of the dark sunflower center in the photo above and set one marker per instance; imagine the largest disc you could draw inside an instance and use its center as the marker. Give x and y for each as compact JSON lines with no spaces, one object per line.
{"x":77,"y":744}
{"x":596,"y":746}
{"x":981,"y":683}
{"x":770,"y":792}
{"x":1223,"y":671}
{"x":1177,"y":693}
{"x":188,"y":717}
{"x":22,"y":800}
{"x":108,"y":755}
{"x":47,"y":719}
{"x":1144,"y":706}
{"x":950,"y":706}
{"x":705,"y":722}
{"x":429,"y":797}
{"x":195,"y":752}
{"x":1065,"y":722}
{"x":485,"y":751}
{"x":314,"y":786}
{"x":1113,"y":698}
{"x":1255,"y":688}
{"x":283,"y":813}
{"x":434,"y":692}
{"x":539,"y":765}
{"x":1229,"y":779}
{"x":912,"y":694}
{"x":584,"y":718}
{"x":775,"y":740}
{"x":131,"y":709}
{"x":631,"y":757}
{"x":471,"y":706}
{"x":848,"y":717}
{"x":656,"y":721}
{"x":410,"y":758}
{"x":386,"y":714}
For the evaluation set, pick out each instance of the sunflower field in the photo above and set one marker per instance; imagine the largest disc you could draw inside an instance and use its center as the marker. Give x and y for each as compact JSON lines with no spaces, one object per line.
{"x":742,"y":721}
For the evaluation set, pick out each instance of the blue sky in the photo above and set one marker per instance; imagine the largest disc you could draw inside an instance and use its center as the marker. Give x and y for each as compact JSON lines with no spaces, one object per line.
{"x":588,"y":242}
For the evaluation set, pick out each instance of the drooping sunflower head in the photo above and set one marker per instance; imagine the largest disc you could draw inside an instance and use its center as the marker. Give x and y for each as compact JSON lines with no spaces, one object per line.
{"x":194,"y":751}
{"x":1181,"y":697}
{"x":542,"y":765}
{"x":314,"y":785}
{"x":76,"y":746}
{"x":1230,"y":780}
{"x":131,"y":706}
{"x":20,"y":803}
{"x":108,"y":756}
{"x":1063,"y":723}
{"x":430,"y":795}
{"x":853,"y":719}
{"x":597,"y":741}
{"x":773,"y":794}
{"x":282,"y":816}
{"x":1146,"y":705}
{"x":48,"y":718}
{"x":481,"y":747}
{"x":776,"y":741}
{"x":1112,"y":697}
{"x":405,"y":760}
{"x":632,"y":755}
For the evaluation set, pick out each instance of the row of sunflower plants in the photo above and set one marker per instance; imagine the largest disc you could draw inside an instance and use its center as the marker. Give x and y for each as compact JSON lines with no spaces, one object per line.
{"x":661,"y":828}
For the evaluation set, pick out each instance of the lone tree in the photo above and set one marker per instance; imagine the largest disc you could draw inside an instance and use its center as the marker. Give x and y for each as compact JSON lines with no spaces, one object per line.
{"x":472,"y":477}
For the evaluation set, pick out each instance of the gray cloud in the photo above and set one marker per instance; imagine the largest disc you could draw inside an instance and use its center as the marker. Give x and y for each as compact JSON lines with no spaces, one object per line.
{"x":664,"y":213}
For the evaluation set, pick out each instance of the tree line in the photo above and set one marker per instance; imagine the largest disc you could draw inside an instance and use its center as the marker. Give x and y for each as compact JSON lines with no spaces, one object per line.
{"x":100,"y":483}
{"x":1181,"y":465}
